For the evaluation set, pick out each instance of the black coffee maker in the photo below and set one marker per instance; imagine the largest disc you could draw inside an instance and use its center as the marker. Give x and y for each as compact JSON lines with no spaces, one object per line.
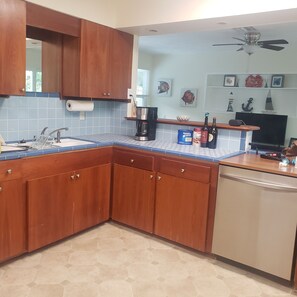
{"x":146,"y":123}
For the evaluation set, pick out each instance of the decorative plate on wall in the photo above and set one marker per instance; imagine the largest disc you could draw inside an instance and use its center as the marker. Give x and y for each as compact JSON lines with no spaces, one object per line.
{"x":254,"y":81}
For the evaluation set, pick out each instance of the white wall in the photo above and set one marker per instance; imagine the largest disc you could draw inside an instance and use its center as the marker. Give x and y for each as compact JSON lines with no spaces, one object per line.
{"x":190,"y":70}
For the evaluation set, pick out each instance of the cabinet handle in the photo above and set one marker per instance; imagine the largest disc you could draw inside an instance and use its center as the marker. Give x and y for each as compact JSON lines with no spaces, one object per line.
{"x":108,"y":94}
{"x":159,"y":177}
{"x":182,"y":170}
{"x":151,"y":176}
{"x":23,"y":90}
{"x":104,"y":94}
{"x":72,"y":177}
{"x":77,"y":175}
{"x":132,"y":161}
{"x":9,"y":171}
{"x":1,"y":189}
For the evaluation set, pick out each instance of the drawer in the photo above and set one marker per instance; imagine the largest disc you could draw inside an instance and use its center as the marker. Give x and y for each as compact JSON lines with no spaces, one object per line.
{"x":191,"y":171}
{"x":134,"y":160}
{"x":10,"y":170}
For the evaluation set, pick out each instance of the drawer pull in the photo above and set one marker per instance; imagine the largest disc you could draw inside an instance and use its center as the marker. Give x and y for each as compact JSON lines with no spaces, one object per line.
{"x":182,"y":170}
{"x":132,"y":161}
{"x":151,"y":176}
{"x":159,"y":177}
{"x":1,"y":189}
{"x":9,"y":171}
{"x":77,"y":175}
{"x":72,"y":177}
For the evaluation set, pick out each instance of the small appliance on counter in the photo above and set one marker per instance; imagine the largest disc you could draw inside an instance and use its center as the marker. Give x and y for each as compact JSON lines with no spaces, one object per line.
{"x":146,"y":123}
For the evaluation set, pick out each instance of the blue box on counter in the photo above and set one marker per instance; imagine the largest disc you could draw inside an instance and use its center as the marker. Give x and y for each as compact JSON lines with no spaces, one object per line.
{"x":185,"y":137}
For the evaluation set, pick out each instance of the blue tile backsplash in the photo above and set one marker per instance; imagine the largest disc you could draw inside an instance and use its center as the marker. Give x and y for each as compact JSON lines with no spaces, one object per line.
{"x":25,"y":117}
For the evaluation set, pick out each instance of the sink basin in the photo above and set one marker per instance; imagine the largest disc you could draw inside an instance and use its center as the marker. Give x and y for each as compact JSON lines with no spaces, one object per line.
{"x":66,"y":142}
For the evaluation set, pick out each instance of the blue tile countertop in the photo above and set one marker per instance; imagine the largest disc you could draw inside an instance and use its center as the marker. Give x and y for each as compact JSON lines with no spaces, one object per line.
{"x":101,"y":140}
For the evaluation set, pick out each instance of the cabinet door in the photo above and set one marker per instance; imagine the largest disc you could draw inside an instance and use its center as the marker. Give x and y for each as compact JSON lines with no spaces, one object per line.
{"x":13,"y":47}
{"x":181,"y":210}
{"x":94,"y":60}
{"x":91,"y":191}
{"x":121,"y":63}
{"x":12,"y":219}
{"x":50,"y":210}
{"x":133,"y":197}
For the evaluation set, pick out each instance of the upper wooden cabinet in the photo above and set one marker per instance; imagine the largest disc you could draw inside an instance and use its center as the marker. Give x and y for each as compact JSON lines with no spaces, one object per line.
{"x":98,"y":65}
{"x":13,"y":47}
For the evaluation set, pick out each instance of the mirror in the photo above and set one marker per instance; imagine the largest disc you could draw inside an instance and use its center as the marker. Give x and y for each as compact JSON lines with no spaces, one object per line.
{"x":43,"y":60}
{"x":33,"y":65}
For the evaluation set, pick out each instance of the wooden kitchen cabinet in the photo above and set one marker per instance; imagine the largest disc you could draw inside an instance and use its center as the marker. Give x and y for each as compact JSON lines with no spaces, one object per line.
{"x":50,"y":210}
{"x":12,"y":210}
{"x":90,"y":189}
{"x":74,"y":197}
{"x":98,"y":64}
{"x":133,"y":190}
{"x":13,"y":47}
{"x":182,"y":201}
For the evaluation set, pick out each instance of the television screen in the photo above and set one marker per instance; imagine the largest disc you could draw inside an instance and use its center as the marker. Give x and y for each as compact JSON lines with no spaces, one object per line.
{"x":272,"y":128}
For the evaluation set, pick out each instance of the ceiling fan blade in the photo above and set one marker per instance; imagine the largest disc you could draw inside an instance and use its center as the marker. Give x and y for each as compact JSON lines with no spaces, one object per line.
{"x":219,"y":44}
{"x":275,"y":41}
{"x":272,"y":47}
{"x":239,"y":39}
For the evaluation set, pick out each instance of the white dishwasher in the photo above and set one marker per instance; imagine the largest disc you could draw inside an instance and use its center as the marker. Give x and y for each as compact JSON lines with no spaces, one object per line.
{"x":256,"y":219}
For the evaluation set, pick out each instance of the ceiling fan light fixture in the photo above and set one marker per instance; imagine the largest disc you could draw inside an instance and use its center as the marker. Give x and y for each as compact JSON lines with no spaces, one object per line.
{"x":249,"y":49}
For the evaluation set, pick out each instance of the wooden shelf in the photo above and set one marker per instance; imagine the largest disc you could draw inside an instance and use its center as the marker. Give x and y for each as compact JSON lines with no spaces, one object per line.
{"x":200,"y":124}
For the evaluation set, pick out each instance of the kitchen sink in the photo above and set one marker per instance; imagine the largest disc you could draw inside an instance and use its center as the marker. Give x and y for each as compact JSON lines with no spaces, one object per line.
{"x":66,"y":142}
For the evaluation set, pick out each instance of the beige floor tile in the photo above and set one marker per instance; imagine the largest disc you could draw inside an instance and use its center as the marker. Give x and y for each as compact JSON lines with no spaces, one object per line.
{"x":115,"y":288}
{"x":27,"y":261}
{"x":18,"y":276}
{"x":54,"y":258}
{"x":83,"y":258}
{"x":81,"y":290}
{"x":14,"y":291}
{"x":242,"y":286}
{"x":51,"y":275}
{"x":110,"y":244}
{"x":143,"y":288}
{"x":211,"y":287}
{"x":46,"y":291}
{"x":113,"y":260}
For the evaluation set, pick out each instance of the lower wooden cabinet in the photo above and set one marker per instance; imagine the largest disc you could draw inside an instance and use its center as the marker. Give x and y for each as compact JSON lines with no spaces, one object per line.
{"x":12,"y":219}
{"x":181,"y":210}
{"x":133,"y":197}
{"x":62,"y":204}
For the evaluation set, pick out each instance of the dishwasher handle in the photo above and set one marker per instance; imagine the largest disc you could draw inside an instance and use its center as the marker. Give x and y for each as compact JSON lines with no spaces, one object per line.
{"x":266,"y":185}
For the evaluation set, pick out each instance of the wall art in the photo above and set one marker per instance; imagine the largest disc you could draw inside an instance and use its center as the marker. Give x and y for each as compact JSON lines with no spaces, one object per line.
{"x":188,"y":97}
{"x":164,"y":87}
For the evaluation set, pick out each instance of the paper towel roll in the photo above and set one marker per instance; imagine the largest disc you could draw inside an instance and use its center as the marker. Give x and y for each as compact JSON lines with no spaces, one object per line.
{"x":79,"y":105}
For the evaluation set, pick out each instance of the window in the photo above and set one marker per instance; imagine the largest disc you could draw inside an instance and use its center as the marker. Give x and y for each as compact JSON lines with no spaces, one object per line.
{"x":142,"y":91}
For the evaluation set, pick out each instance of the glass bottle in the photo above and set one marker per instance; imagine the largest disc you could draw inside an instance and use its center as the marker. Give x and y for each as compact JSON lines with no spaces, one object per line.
{"x":204,"y":132}
{"x":213,"y":135}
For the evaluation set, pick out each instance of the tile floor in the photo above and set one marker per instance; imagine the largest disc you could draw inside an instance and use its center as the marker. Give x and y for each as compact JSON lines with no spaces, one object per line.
{"x":113,"y":261}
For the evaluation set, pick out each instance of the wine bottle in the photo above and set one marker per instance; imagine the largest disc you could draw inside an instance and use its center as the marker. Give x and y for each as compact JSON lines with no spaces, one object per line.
{"x":204,"y":132}
{"x":213,"y":135}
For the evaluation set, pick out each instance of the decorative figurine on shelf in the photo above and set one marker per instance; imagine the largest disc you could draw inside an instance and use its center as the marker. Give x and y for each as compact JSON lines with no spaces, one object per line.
{"x":247,"y":108}
{"x":268,"y":102}
{"x":230,"y":107}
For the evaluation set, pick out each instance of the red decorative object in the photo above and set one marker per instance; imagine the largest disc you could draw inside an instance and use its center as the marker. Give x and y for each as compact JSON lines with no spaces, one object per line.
{"x":254,"y":81}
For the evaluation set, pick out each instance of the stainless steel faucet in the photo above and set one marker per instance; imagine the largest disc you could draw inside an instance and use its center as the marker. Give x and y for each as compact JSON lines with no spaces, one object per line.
{"x":58,"y":131}
{"x":43,"y":130}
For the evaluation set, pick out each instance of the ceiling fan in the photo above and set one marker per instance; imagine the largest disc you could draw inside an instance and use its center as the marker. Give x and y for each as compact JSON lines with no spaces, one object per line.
{"x":251,"y":40}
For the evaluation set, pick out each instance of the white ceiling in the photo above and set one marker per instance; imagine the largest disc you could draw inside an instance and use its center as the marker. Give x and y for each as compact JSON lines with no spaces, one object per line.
{"x":203,"y":40}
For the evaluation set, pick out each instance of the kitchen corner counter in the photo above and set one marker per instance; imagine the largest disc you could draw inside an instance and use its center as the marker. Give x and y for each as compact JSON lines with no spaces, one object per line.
{"x":254,"y":162}
{"x":158,"y":146}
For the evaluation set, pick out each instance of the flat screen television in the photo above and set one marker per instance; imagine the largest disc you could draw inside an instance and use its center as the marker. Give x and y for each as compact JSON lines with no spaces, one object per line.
{"x":272,"y":129}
